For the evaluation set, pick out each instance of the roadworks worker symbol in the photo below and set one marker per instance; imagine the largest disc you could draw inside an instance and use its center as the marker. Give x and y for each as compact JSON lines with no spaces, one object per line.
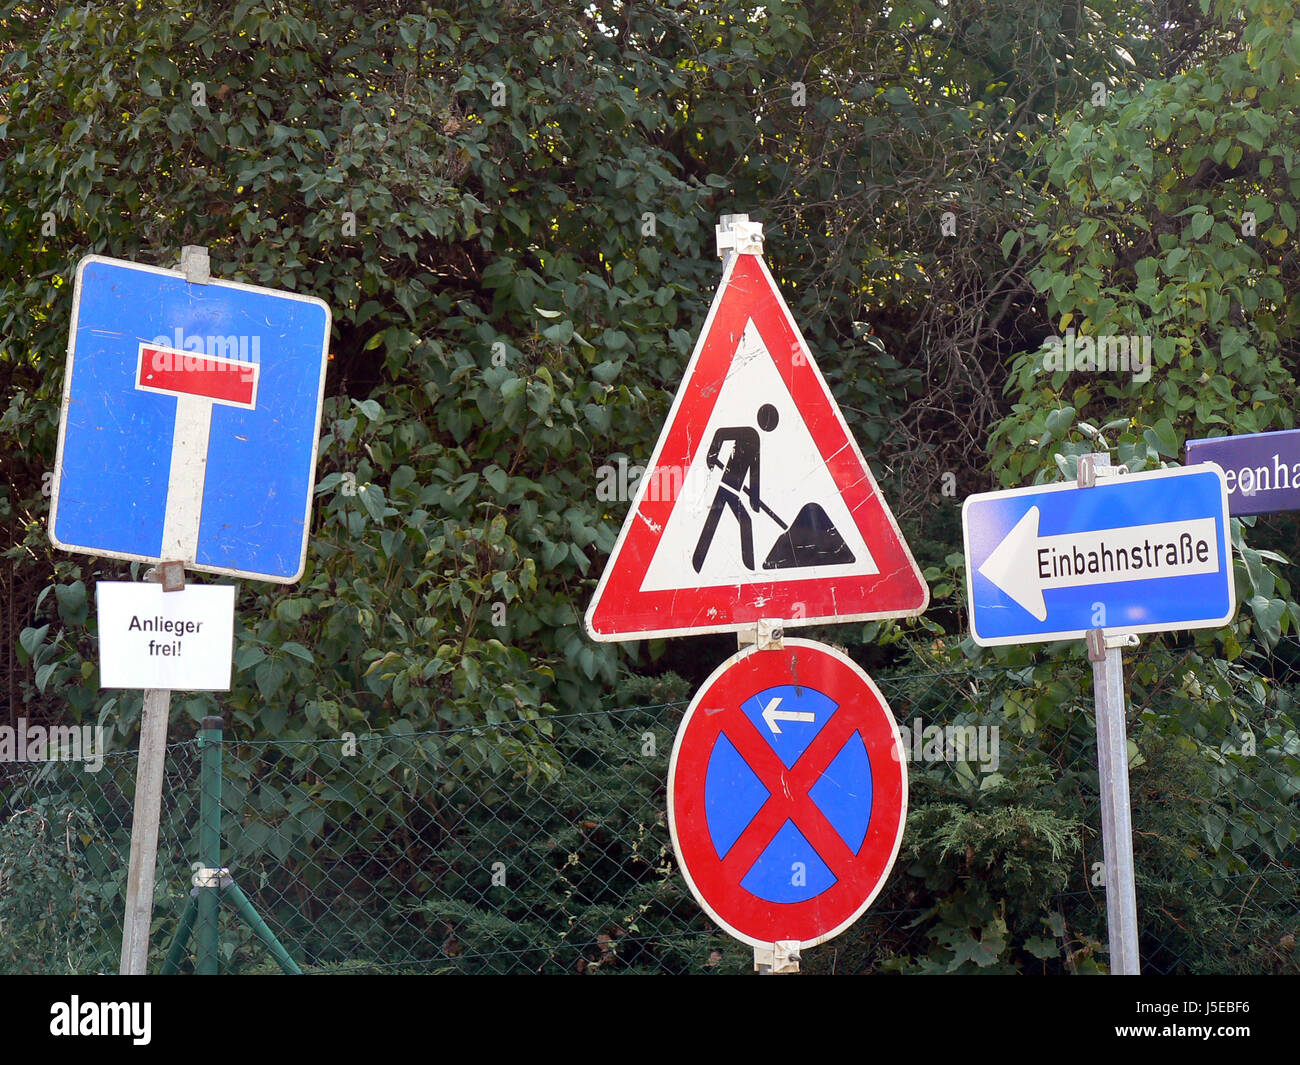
{"x":811,"y":540}
{"x":757,"y":503}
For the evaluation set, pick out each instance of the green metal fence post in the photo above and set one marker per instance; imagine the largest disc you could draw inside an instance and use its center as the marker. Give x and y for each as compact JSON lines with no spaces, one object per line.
{"x":209,"y":845}
{"x":182,"y":938}
{"x":261,"y":929}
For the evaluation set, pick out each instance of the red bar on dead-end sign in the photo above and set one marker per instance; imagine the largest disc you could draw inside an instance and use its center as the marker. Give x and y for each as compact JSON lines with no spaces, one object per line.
{"x":175,"y":372}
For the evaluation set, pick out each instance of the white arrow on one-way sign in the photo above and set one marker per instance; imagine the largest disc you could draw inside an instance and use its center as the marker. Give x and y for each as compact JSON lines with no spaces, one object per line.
{"x":1025,"y":564}
{"x":771,"y":715}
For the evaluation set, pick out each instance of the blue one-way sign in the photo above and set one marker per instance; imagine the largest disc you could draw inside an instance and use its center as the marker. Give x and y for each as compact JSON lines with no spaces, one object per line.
{"x":190,"y":419}
{"x":1147,"y":552}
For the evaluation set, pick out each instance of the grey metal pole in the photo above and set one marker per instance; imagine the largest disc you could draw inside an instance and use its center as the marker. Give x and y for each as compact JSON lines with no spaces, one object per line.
{"x":144,"y":832}
{"x":206,"y":942}
{"x":153,"y":727}
{"x":148,"y":805}
{"x":1116,"y":821}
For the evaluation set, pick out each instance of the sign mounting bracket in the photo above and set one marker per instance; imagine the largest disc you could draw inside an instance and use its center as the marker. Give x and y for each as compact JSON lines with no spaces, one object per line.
{"x":779,"y":959}
{"x":765,"y":635}
{"x":737,"y":235}
{"x":1099,"y":643}
{"x":195,"y":264}
{"x":1097,"y":465}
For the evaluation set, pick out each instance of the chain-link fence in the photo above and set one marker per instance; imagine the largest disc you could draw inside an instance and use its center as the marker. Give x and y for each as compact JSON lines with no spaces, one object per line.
{"x":398,"y":853}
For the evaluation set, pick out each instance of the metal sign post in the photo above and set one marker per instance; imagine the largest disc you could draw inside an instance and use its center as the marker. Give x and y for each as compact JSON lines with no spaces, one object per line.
{"x":1112,"y":773}
{"x":780,"y":958}
{"x":1116,"y":822}
{"x":1102,"y":559}
{"x":148,"y":804}
{"x":212,"y":881}
{"x":154,"y":715}
{"x":757,"y":512}
{"x":187,"y":439}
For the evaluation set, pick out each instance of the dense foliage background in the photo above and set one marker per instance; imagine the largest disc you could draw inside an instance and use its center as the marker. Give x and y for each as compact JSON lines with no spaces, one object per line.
{"x":509,"y":206}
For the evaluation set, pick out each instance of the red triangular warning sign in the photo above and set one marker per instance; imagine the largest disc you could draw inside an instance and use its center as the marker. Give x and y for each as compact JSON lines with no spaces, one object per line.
{"x":757,"y":504}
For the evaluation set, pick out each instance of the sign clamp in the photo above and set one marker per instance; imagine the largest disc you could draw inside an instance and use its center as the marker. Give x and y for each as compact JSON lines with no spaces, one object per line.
{"x":1099,"y":643}
{"x":737,"y":235}
{"x":780,"y":959}
{"x":767,"y":635}
{"x":171,"y":575}
{"x":1090,"y":470}
{"x":195,"y":264}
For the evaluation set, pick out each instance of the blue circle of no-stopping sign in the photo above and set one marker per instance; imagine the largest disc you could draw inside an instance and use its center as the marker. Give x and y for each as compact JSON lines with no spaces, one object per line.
{"x":789,"y":718}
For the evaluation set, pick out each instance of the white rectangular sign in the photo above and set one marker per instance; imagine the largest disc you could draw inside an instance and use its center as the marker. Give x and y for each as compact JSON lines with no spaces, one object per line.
{"x":180,"y":641}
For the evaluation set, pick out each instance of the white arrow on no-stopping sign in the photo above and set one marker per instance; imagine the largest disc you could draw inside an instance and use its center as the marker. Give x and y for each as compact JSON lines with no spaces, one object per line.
{"x":771,"y":715}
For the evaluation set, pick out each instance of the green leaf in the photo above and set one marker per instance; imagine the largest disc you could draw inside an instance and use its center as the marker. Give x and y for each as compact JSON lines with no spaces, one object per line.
{"x":372,"y":498}
{"x":72,"y":603}
{"x":1161,"y":439}
{"x":1043,"y":948}
{"x":497,"y":479}
{"x":370,"y":408}
{"x":44,"y":673}
{"x":1268,"y":614}
{"x":30,"y":639}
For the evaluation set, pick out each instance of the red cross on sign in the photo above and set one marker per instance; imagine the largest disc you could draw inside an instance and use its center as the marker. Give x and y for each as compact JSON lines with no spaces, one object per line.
{"x":787,"y":794}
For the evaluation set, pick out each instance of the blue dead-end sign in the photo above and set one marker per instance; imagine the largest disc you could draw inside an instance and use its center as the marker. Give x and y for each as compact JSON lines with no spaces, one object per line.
{"x":190,"y":421}
{"x":1146,"y":552}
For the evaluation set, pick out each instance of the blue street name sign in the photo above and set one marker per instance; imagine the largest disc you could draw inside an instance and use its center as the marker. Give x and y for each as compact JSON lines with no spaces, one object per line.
{"x":1262,"y":469}
{"x":1146,"y":552}
{"x":190,"y":420}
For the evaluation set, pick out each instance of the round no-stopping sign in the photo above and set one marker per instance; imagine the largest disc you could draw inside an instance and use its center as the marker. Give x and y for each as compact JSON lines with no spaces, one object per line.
{"x":787,"y":794}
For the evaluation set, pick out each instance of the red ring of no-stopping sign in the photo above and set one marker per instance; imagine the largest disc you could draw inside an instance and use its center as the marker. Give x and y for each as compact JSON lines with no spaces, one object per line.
{"x":715,"y":711}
